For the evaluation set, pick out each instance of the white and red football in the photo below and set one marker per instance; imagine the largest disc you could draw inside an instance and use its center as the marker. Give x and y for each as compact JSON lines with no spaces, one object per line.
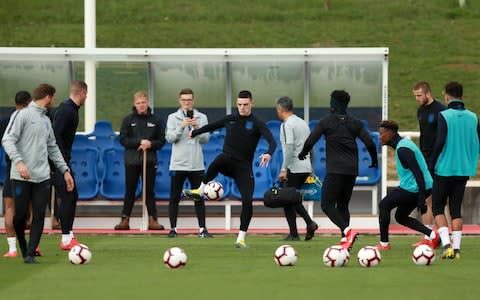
{"x":423,"y":255}
{"x":335,"y":256}
{"x":175,"y":258}
{"x":213,"y":190}
{"x":285,"y":255}
{"x":369,"y":256}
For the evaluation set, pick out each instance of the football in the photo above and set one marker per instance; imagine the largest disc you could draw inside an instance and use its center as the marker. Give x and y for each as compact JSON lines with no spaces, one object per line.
{"x":175,"y":258}
{"x":423,"y":255}
{"x":369,"y":256}
{"x":335,"y":256}
{"x":213,"y":190}
{"x":80,"y":255}
{"x":285,"y":255}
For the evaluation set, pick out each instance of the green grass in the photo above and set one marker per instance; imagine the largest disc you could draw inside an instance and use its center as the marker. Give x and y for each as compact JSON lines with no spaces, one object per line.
{"x":431,"y":40}
{"x":130,"y":267}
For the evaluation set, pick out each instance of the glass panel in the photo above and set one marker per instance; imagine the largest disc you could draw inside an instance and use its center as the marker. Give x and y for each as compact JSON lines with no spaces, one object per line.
{"x":361,"y":79}
{"x":116,"y":84}
{"x":206,"y":79}
{"x":26,"y":75}
{"x":267,"y":81}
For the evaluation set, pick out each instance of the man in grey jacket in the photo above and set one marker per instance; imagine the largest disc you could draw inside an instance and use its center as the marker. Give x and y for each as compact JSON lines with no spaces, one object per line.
{"x":293,"y":133}
{"x":29,"y":142}
{"x":187,"y":157}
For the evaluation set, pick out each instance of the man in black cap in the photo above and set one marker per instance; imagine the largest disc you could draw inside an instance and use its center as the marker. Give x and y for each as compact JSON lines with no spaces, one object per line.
{"x":340,"y":130}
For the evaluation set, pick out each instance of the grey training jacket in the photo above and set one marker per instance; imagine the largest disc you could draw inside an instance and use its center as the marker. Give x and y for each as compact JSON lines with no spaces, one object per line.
{"x":29,"y":138}
{"x":187,"y":153}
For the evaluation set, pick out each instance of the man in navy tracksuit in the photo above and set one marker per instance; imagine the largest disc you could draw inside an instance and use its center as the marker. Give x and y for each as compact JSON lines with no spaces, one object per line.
{"x":415,"y":186}
{"x":243,"y":131}
{"x":427,"y":116}
{"x":454,"y":159}
{"x":65,"y":123}
{"x":340,"y":130}
{"x":141,"y":131}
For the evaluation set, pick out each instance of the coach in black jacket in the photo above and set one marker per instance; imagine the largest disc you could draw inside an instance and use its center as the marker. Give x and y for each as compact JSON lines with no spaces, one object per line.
{"x":141,"y":131}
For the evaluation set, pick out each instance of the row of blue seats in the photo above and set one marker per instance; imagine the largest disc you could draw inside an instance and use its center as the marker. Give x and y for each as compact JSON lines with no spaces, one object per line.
{"x":98,"y":164}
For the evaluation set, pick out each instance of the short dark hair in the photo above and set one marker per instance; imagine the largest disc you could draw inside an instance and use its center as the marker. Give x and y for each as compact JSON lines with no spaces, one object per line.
{"x":245,"y":94}
{"x":77,"y":86}
{"x":422,"y":85}
{"x":43,"y":90}
{"x":341,"y":96}
{"x":286,"y":103}
{"x":454,"y":89}
{"x":22,"y":98}
{"x":389,"y":124}
{"x":186,"y":91}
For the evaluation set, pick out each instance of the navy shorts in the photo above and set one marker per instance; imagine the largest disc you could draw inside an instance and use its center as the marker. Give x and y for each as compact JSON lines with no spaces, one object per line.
{"x":7,"y":186}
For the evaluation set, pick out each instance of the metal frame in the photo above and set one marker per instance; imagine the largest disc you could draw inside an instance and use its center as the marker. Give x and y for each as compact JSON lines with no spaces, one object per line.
{"x":90,"y":55}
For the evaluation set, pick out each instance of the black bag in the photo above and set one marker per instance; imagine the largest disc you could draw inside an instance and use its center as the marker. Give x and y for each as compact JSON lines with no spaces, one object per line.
{"x":281,"y":197}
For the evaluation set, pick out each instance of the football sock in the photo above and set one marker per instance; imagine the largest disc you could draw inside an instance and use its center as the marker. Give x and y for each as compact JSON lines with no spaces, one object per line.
{"x":346,"y":230}
{"x":456,"y":238}
{"x":201,"y":229}
{"x":71,"y":234}
{"x":443,"y":231}
{"x":174,"y":229}
{"x":432,"y":236}
{"x":429,"y":237}
{"x":66,"y":238}
{"x":241,"y":236}
{"x":12,"y":244}
{"x":384,"y":243}
{"x":201,"y":188}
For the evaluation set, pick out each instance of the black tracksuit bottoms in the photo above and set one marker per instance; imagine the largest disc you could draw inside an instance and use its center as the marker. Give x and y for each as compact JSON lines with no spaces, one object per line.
{"x":176,"y":185}
{"x":38,"y":193}
{"x":132,"y":174}
{"x":296,"y":180}
{"x":241,"y":172}
{"x":405,"y":202}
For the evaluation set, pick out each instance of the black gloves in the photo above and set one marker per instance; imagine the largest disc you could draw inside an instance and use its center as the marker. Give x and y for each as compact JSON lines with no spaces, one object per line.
{"x":302,"y":156}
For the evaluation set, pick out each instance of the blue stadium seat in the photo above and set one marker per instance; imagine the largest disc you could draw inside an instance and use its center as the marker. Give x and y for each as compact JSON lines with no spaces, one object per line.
{"x":162,"y":178}
{"x":365,"y":124}
{"x":84,"y":167}
{"x":312,"y":124}
{"x":113,"y":180}
{"x":274,"y":126}
{"x":3,"y":165}
{"x":102,"y":142}
{"x":209,"y":154}
{"x":103,"y":128}
{"x":319,"y":154}
{"x":217,"y":138}
{"x":81,"y":141}
{"x":366,"y":175}
{"x":102,"y":136}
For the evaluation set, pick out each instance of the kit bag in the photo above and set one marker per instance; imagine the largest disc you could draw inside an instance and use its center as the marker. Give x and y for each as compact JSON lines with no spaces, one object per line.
{"x":281,"y":197}
{"x":312,"y":189}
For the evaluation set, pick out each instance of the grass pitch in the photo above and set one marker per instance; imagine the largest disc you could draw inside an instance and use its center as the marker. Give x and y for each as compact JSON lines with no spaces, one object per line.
{"x":131,"y":267}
